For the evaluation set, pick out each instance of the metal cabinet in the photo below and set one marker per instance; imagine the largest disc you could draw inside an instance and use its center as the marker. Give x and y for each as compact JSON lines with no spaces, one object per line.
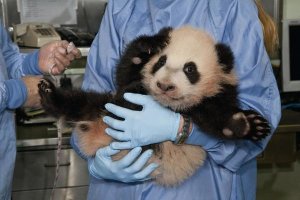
{"x":34,"y":175}
{"x":282,"y":147}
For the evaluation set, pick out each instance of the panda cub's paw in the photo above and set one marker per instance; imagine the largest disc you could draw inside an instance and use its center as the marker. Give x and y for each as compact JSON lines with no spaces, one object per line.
{"x":259,"y":126}
{"x":145,"y":53}
{"x":46,"y":90}
{"x":147,"y":46}
{"x":247,"y":124}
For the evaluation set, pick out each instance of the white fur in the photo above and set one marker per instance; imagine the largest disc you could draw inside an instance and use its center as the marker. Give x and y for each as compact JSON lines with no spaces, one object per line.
{"x":187,"y":44}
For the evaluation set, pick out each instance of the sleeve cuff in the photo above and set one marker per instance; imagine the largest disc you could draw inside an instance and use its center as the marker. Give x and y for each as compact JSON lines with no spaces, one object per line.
{"x":198,"y":137}
{"x":16,"y":93}
{"x":92,"y":169}
{"x":30,"y":64}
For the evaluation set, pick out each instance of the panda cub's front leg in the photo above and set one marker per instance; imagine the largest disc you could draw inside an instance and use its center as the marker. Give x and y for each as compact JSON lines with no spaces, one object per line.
{"x":247,"y":124}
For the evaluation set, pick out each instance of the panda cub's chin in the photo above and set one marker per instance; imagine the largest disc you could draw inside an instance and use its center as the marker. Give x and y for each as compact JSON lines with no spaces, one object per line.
{"x":173,"y":102}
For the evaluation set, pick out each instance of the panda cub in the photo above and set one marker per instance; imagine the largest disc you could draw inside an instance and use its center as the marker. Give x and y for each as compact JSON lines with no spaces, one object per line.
{"x":183,"y":69}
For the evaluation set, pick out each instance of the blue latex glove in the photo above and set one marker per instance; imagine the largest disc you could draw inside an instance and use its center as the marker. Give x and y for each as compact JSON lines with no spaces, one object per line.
{"x":153,"y":124}
{"x":131,"y":168}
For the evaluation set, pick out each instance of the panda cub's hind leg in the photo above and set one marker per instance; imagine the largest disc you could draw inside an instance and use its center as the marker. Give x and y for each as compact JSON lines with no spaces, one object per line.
{"x":247,"y":124}
{"x":56,"y":102}
{"x":72,"y":104}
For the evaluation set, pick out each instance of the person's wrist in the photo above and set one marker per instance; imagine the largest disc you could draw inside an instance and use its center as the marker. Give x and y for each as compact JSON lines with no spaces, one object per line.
{"x":16,"y":93}
{"x":184,"y":129}
{"x":180,"y":124}
{"x":92,"y":168}
{"x":176,"y":121}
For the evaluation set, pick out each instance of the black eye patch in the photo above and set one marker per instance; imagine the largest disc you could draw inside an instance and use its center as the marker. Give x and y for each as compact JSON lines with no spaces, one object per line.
{"x":161,"y":62}
{"x":191,"y":72}
{"x":84,"y":127}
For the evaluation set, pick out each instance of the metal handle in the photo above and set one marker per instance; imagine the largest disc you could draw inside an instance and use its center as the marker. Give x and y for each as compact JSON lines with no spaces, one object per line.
{"x":60,"y":165}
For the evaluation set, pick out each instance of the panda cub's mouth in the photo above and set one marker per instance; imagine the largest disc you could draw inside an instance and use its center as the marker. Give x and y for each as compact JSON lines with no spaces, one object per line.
{"x":176,"y":98}
{"x":167,"y":99}
{"x":176,"y":103}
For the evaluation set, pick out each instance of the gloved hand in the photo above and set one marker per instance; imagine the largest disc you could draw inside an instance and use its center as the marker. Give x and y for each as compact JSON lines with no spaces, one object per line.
{"x":153,"y":124}
{"x":130,"y":168}
{"x":58,"y":56}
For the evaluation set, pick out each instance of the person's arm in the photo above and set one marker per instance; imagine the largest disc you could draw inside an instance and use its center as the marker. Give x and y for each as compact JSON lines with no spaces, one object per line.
{"x":38,"y":62}
{"x":257,"y":88}
{"x":11,"y":55}
{"x":13,"y":92}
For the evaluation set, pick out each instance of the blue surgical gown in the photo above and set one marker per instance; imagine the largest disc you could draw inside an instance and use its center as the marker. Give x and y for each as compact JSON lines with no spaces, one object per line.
{"x":230,"y":168}
{"x":13,"y":94}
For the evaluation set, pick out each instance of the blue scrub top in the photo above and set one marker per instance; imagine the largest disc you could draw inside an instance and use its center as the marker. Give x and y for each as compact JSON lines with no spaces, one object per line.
{"x":230,"y":169}
{"x":13,"y":93}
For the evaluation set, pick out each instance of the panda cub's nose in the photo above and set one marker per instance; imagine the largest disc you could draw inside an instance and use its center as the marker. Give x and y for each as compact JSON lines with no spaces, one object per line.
{"x":165,"y":87}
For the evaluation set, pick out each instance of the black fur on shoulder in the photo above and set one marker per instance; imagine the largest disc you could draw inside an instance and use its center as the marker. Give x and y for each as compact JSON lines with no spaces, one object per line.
{"x":225,"y":56}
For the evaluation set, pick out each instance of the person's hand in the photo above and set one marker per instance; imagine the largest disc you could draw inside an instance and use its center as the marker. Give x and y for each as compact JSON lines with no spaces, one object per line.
{"x":130,"y":168}
{"x":153,"y":124}
{"x":33,"y":98}
{"x":57,"y":56}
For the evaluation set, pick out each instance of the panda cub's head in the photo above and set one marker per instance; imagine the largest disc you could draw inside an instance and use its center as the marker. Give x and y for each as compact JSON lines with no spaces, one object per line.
{"x":189,"y":69}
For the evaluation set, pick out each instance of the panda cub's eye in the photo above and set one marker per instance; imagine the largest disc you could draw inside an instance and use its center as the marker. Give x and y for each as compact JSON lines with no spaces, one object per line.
{"x":190,"y":67}
{"x":191,"y":72}
{"x":161,"y":62}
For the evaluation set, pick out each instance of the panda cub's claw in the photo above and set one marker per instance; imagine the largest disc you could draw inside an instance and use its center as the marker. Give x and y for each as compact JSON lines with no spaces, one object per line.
{"x":45,"y":86}
{"x":247,"y":124}
{"x":259,"y":126}
{"x":149,"y":47}
{"x":46,"y":89}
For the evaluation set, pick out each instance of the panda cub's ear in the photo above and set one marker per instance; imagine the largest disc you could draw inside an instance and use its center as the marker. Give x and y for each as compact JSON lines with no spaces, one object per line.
{"x":225,"y":57}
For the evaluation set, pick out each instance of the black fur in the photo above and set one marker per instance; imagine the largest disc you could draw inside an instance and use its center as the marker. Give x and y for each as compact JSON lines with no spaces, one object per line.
{"x":161,"y":62}
{"x":225,"y":56}
{"x":213,"y":115}
{"x":73,"y":104}
{"x":191,"y":72}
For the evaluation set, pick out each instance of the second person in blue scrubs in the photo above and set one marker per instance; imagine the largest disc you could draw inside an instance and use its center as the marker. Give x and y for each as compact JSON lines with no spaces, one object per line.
{"x":229,"y":172}
{"x":19,"y":88}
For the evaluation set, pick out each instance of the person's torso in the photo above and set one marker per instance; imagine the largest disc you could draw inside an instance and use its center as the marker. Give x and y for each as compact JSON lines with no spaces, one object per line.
{"x":210,"y":182}
{"x":7,"y":140}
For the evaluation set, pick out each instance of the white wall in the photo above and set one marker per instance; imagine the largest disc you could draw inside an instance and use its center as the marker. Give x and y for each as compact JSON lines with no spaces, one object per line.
{"x":291,"y":9}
